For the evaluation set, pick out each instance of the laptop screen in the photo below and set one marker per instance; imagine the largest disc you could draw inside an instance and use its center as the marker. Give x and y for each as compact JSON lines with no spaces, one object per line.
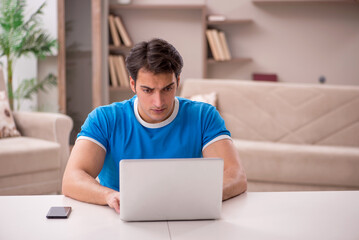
{"x":171,"y":189}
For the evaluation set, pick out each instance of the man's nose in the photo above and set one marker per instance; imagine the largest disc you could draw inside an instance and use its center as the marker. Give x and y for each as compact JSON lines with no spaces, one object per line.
{"x":157,"y":100}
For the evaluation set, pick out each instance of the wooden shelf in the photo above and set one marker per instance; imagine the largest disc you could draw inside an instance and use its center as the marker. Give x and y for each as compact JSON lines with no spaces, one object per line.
{"x":222,"y":24}
{"x":180,"y":13}
{"x":120,"y":89}
{"x":233,"y":60}
{"x":116,"y":92}
{"x":228,"y":21}
{"x":157,"y":6}
{"x":305,"y":1}
{"x":114,"y":48}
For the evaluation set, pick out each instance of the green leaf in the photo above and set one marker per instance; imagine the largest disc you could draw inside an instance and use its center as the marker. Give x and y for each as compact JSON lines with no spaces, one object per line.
{"x":28,"y":87}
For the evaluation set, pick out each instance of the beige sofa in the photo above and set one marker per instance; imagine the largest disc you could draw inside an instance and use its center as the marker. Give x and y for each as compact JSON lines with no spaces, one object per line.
{"x":34,"y":163}
{"x":290,"y":136}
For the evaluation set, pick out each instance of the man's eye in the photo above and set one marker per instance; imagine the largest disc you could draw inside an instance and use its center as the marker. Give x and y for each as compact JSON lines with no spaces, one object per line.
{"x":147,"y":90}
{"x":167,"y":89}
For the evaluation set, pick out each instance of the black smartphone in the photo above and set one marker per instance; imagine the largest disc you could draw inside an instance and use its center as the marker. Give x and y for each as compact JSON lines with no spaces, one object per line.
{"x":59,"y":212}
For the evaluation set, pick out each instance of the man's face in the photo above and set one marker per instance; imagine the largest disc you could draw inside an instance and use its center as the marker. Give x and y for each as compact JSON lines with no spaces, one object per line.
{"x":155,"y":93}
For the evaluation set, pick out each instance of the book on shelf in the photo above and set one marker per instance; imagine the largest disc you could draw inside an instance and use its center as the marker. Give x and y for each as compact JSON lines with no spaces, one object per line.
{"x":113,"y":32}
{"x":118,"y":72}
{"x":271,"y":77}
{"x":113,"y":77}
{"x":117,"y":69}
{"x":212,"y":45}
{"x":124,"y":75}
{"x":218,"y":45}
{"x":224,"y":44}
{"x":122,"y":31}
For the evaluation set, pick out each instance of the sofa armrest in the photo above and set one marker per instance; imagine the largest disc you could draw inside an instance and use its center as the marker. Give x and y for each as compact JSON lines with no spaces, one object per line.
{"x":54,"y":127}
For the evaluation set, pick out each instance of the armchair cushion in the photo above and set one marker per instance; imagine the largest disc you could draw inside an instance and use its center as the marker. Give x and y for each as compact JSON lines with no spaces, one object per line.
{"x":25,"y":154}
{"x":53,"y":127}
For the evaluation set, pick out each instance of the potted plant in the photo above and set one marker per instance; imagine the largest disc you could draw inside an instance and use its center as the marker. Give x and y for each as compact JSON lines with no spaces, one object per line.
{"x":20,"y":37}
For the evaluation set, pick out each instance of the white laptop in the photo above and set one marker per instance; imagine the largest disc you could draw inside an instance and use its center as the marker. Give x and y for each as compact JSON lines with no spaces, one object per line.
{"x":171,"y":189}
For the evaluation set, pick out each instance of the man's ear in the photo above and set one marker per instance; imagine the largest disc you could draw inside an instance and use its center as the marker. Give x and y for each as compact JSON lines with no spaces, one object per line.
{"x":178,"y":80}
{"x":133,"y":85}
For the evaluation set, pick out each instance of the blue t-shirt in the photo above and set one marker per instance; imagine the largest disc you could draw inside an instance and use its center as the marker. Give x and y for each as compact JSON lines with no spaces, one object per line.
{"x":121,"y":132}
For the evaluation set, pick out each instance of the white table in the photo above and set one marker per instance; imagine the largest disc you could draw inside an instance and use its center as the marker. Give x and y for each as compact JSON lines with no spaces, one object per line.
{"x":279,"y":215}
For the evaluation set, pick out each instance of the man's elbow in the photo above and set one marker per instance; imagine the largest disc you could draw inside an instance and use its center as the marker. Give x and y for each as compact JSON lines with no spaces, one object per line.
{"x":237,"y":187}
{"x":243,"y":183}
{"x":66,"y":185}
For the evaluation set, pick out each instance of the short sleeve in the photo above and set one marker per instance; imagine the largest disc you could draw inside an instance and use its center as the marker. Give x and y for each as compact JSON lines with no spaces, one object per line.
{"x":96,"y":128}
{"x":213,"y":126}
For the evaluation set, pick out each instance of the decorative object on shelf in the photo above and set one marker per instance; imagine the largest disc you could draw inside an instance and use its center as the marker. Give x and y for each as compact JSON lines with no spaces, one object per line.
{"x":271,"y":77}
{"x":239,"y":60}
{"x":216,"y":18}
{"x":227,"y":21}
{"x":19,"y":37}
{"x":322,"y":79}
{"x":124,"y":2}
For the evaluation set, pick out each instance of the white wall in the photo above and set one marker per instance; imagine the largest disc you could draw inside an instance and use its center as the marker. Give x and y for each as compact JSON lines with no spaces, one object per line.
{"x":171,"y":25}
{"x":47,"y":101}
{"x":28,"y":67}
{"x":298,"y":41}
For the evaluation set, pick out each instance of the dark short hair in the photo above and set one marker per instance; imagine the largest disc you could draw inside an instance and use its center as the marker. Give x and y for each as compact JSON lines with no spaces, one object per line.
{"x":156,"y":56}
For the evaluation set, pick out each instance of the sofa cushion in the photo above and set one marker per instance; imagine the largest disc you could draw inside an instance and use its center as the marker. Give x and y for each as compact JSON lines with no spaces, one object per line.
{"x":299,"y":164}
{"x":258,"y":186}
{"x":210,"y":98}
{"x":310,"y":114}
{"x":7,"y":124}
{"x":25,"y":154}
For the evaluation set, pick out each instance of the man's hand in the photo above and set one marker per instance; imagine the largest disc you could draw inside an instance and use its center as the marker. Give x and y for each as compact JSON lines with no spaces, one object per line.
{"x":79,"y":180}
{"x":113,"y":200}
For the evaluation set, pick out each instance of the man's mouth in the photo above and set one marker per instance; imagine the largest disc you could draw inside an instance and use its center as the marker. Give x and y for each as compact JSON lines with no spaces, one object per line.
{"x":158,"y":111}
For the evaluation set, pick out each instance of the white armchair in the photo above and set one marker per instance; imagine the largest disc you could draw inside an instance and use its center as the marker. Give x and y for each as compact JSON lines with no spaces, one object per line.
{"x":34,"y":162}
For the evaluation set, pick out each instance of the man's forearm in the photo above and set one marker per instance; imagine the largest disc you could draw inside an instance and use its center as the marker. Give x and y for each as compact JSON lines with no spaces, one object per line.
{"x":81,"y":186}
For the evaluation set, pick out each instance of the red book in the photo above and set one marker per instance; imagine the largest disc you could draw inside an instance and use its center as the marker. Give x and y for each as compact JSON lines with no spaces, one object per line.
{"x":265,"y":77}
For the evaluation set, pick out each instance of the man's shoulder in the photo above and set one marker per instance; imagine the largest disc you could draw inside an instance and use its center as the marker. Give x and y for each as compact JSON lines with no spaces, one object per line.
{"x":114,"y":109}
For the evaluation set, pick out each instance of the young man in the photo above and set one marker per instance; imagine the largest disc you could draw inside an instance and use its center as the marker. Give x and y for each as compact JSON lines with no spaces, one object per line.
{"x":153,"y":124}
